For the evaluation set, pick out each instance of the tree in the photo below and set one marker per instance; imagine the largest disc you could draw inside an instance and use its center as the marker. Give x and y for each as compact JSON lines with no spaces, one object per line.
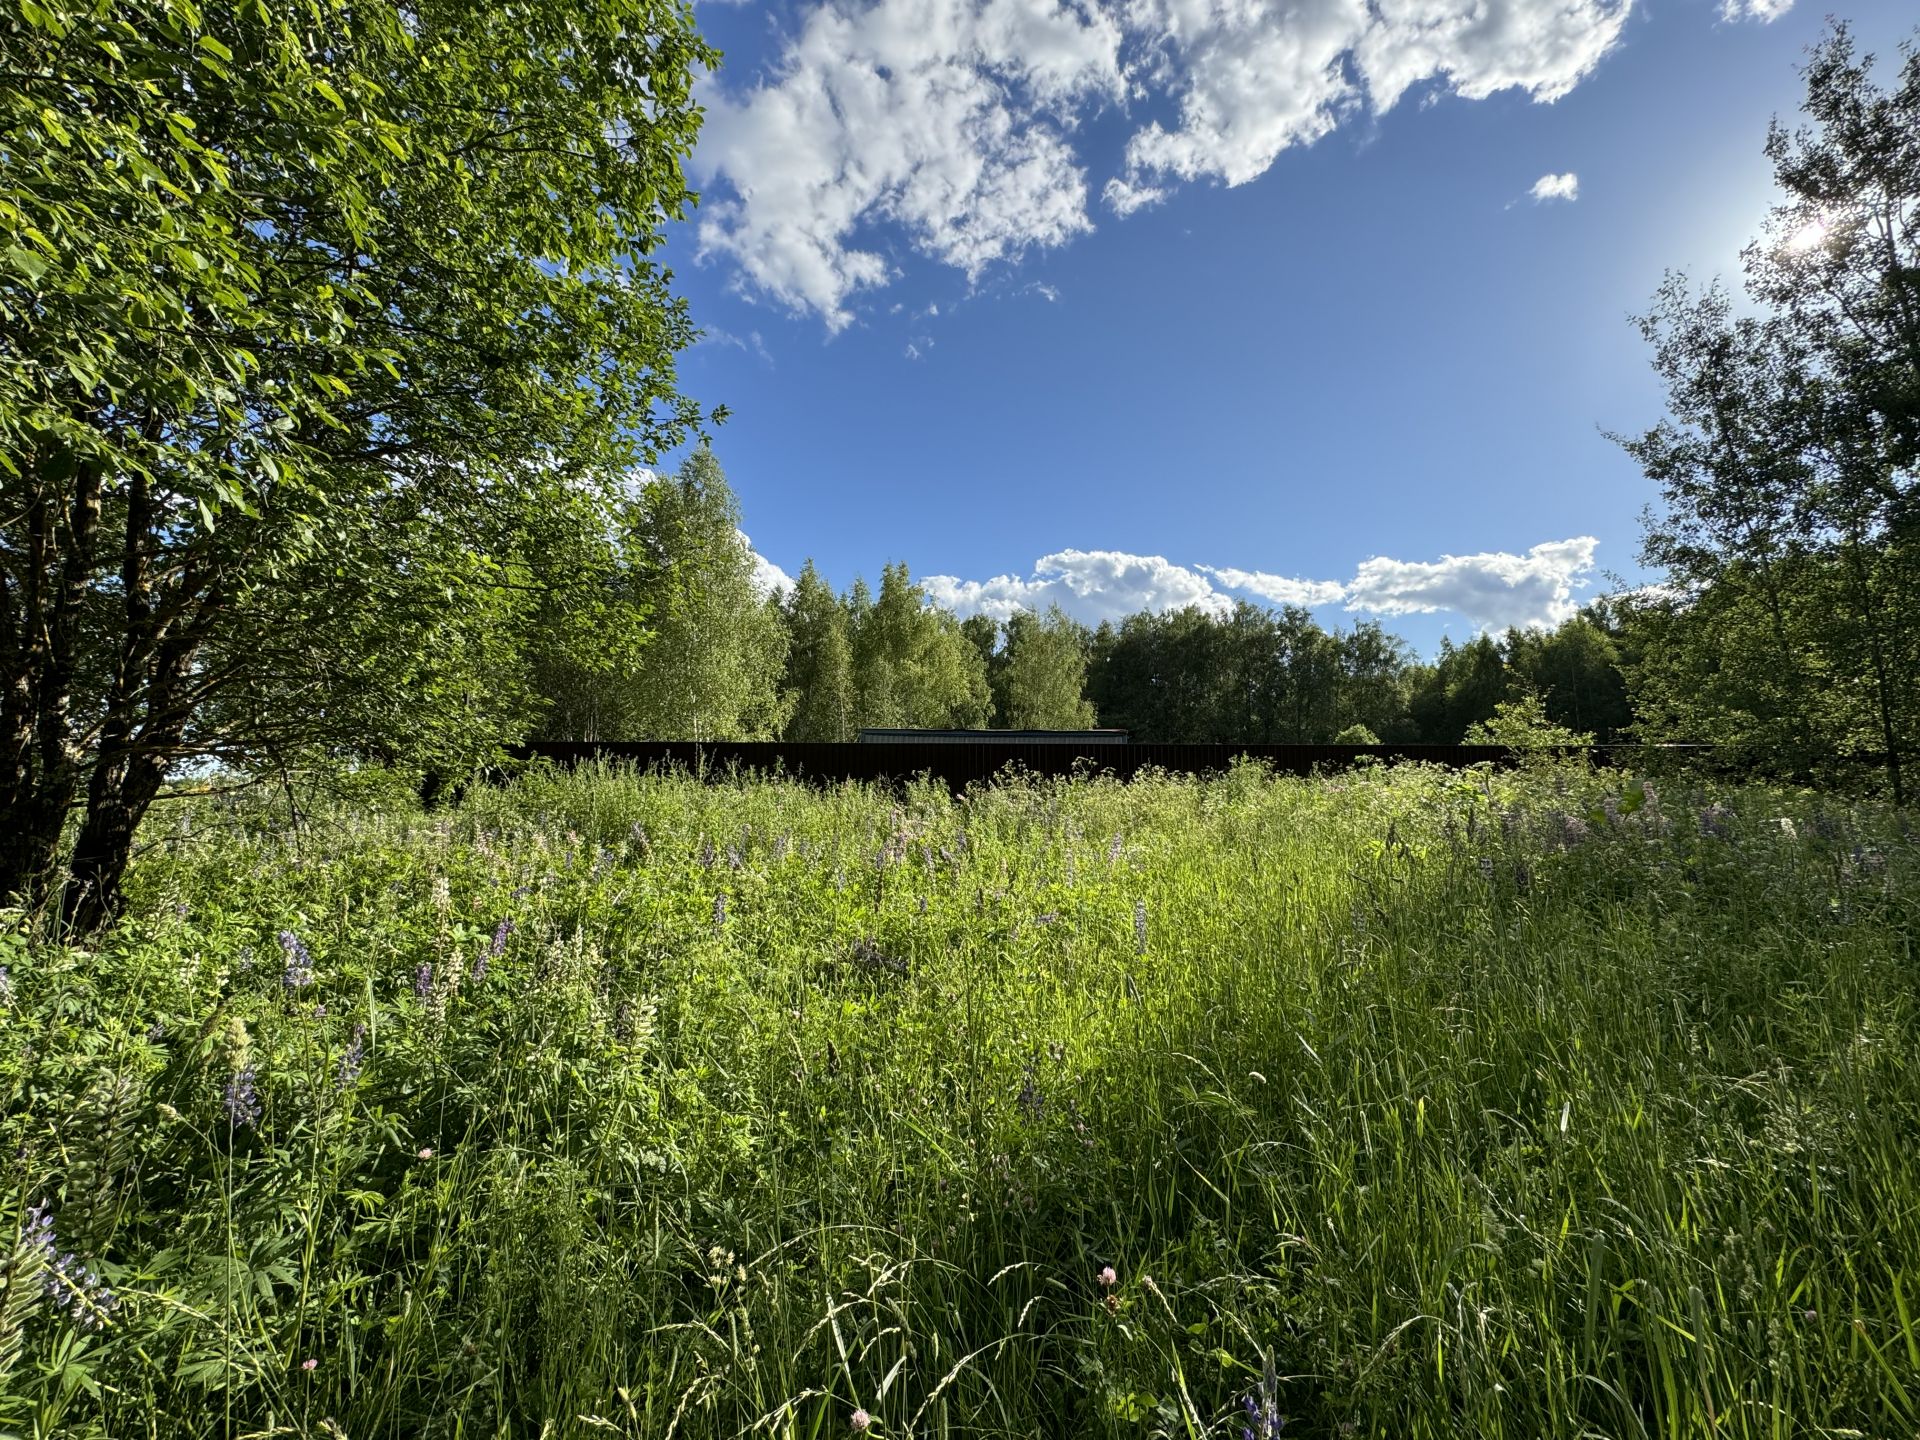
{"x":819,"y":676}
{"x":1575,"y":668}
{"x":1790,"y":530}
{"x":716,"y":647}
{"x":1461,"y":690}
{"x":1520,"y":723}
{"x":913,"y":665}
{"x":1044,"y":673}
{"x":301,"y":307}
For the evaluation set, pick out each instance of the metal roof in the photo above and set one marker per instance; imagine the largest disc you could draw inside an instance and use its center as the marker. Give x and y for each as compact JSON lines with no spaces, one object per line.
{"x":883,"y":736}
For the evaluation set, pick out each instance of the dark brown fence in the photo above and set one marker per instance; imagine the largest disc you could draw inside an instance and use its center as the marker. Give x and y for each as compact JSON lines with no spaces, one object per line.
{"x":963,"y":765}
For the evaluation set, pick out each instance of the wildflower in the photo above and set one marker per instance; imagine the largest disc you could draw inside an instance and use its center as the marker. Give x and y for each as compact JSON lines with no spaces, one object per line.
{"x":498,"y":944}
{"x":1140,"y":926}
{"x":860,"y":1420}
{"x":309,"y":1364}
{"x":426,"y":1152}
{"x":354,"y":1057}
{"x":1113,"y":850}
{"x":1573,"y":830}
{"x":442,"y":894}
{"x":707,"y":853}
{"x":1786,"y":828}
{"x":1108,"y":1279}
{"x":1713,"y":822}
{"x":242,"y":1100}
{"x":6,"y":987}
{"x":64,"y":1279}
{"x":423,"y":980}
{"x":299,"y":970}
{"x":1264,"y":1421}
{"x":720,"y":909}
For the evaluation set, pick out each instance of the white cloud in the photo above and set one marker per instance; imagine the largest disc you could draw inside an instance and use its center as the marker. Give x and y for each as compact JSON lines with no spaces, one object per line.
{"x":1765,"y":11}
{"x":1556,"y":187}
{"x":1091,"y":585}
{"x":950,"y":123}
{"x":1496,"y":590}
{"x":947,"y":118}
{"x":767,"y":576}
{"x":1279,"y":589}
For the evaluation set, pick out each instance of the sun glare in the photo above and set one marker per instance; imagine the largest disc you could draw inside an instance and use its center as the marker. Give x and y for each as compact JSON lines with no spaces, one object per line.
{"x":1809,"y":236}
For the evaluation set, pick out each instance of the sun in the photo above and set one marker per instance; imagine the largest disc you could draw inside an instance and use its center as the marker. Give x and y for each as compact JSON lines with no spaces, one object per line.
{"x":1810,"y":236}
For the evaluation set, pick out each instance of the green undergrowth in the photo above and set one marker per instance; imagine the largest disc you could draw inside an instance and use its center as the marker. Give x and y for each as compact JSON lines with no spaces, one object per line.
{"x":1403,"y":1104}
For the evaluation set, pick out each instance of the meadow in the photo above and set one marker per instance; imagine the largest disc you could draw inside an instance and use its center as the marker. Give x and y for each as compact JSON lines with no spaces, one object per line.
{"x":1394,"y":1104}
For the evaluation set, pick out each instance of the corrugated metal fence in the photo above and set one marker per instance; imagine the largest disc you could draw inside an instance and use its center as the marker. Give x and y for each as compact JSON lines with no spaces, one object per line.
{"x":963,"y":765}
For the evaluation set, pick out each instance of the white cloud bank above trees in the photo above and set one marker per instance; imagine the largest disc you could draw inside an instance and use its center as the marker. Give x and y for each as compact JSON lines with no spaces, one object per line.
{"x":1495,"y":590}
{"x":954,"y":122}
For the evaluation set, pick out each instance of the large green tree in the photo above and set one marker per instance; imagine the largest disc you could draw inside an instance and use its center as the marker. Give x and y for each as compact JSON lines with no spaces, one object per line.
{"x":709,"y":661}
{"x":1790,"y":529}
{"x":1042,"y":673}
{"x":819,"y":679}
{"x":912,"y":663}
{"x":309,"y":312}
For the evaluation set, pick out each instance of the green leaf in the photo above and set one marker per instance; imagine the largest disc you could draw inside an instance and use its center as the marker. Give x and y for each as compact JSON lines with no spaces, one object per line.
{"x":27,"y":263}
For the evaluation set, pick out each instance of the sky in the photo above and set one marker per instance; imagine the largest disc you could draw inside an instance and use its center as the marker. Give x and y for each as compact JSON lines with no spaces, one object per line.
{"x":1134,"y":304}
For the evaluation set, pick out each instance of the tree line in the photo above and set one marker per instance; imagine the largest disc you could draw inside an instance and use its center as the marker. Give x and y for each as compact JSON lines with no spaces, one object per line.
{"x":331,"y":336}
{"x":707,"y":657}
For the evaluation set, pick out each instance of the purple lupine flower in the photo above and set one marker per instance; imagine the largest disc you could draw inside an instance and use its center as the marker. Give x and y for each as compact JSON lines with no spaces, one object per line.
{"x":354,"y":1058}
{"x":1140,"y":926}
{"x":299,"y":972}
{"x":242,"y":1099}
{"x":423,"y":980}
{"x":1714,"y":822}
{"x":720,"y":909}
{"x":500,"y":934}
{"x":1114,"y":849}
{"x":1264,"y":1421}
{"x":6,"y":987}
{"x":68,"y":1283}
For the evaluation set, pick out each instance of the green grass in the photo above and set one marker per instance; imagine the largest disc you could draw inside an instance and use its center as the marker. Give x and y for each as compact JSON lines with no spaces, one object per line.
{"x":779,"y":1103}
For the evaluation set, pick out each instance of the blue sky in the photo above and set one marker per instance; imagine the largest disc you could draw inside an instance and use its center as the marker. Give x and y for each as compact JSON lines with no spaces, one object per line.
{"x":1141,"y":303}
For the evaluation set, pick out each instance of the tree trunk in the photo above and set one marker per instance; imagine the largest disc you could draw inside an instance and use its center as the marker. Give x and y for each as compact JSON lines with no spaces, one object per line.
{"x":41,"y":770}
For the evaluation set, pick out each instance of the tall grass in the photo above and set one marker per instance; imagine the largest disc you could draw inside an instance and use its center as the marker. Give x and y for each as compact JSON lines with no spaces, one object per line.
{"x":1399,"y":1105}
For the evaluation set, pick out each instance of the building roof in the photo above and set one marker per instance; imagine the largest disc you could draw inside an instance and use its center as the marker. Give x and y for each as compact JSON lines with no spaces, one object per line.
{"x":872,"y":735}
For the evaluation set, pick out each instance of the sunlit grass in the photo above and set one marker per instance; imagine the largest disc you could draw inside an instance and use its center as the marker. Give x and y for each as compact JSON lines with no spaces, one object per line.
{"x":1469,"y":1106}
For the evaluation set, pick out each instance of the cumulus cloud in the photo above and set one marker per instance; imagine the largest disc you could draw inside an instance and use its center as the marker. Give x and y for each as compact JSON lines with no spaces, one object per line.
{"x":1091,"y":585}
{"x":951,"y":124}
{"x":1496,"y":590}
{"x":1765,"y":11}
{"x":1556,"y":187}
{"x":1279,"y":589}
